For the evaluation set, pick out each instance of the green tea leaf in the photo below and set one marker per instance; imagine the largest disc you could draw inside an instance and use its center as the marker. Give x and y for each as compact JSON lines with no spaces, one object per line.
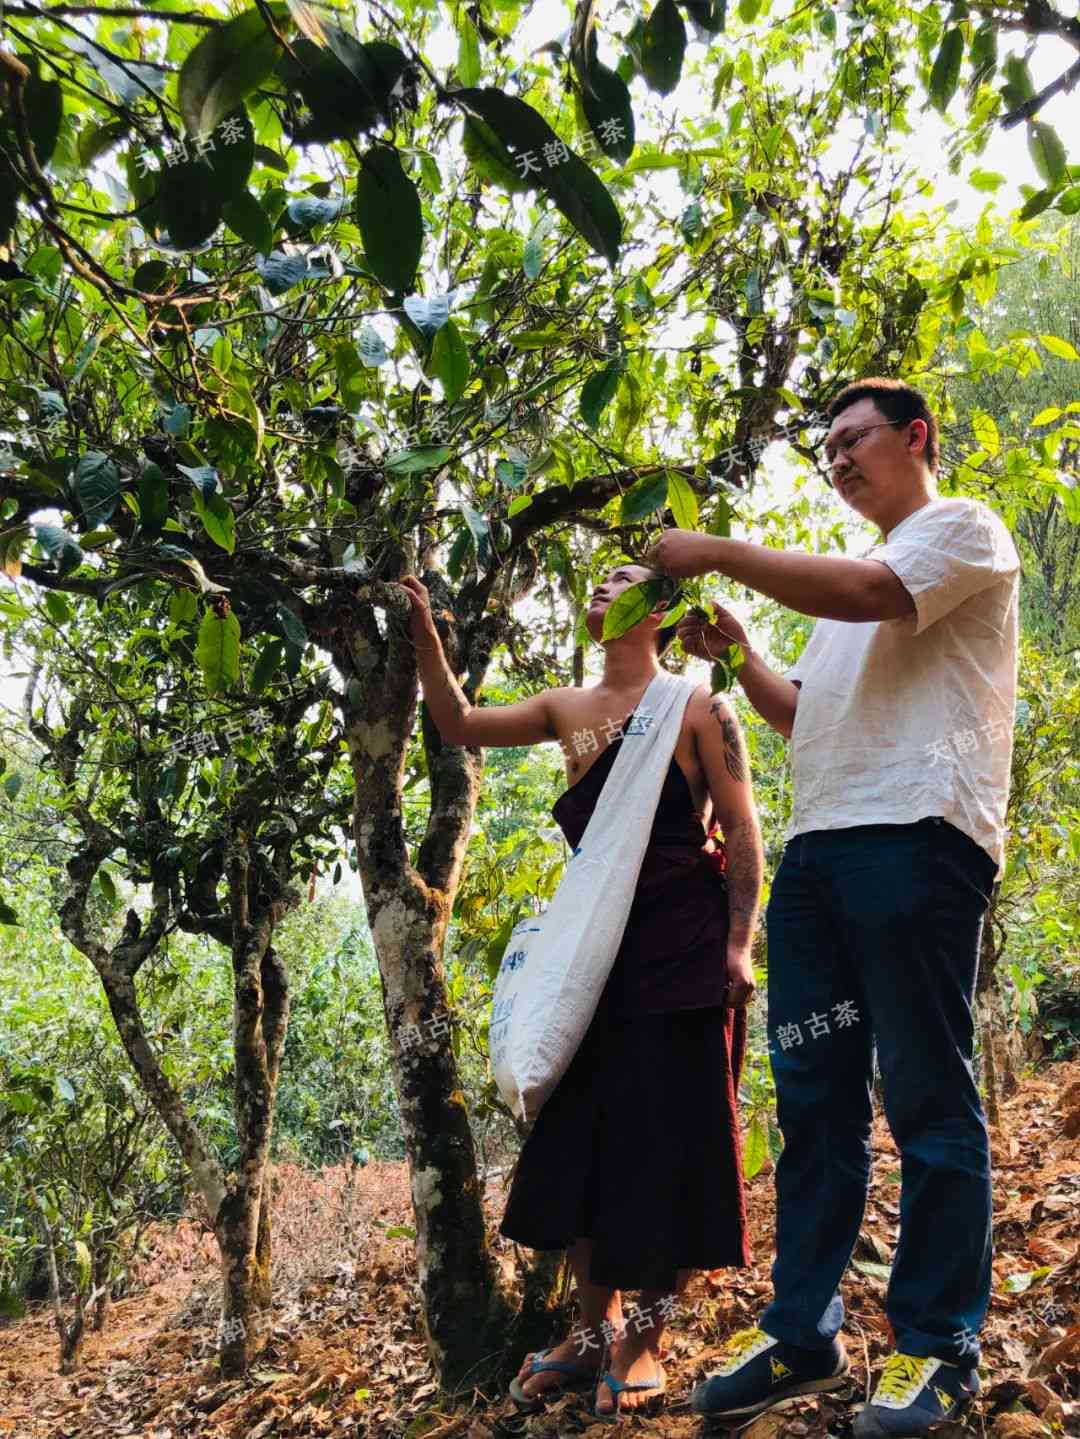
{"x":468,"y":64}
{"x":388,"y":215}
{"x":268,"y":662}
{"x":755,"y":1148}
{"x":721,"y":676}
{"x":43,"y":102}
{"x":663,"y":46}
{"x":1059,"y":347}
{"x":351,"y":375}
{"x":683,"y":501}
{"x":217,"y":652}
{"x":188,"y":203}
{"x":203,"y":477}
{"x":532,"y":259}
{"x":450,"y":360}
{"x":153,"y":500}
{"x":340,"y":105}
{"x":598,"y":391}
{"x":711,"y":15}
{"x":631,"y":607}
{"x":57,"y":606}
{"x":984,"y":53}
{"x":945,"y":74}
{"x":226,"y":65}
{"x":544,"y":160}
{"x":1047,"y":152}
{"x":414,"y":461}
{"x":83,"y":1264}
{"x":1037,"y":203}
{"x":535,"y":339}
{"x":230,"y":154}
{"x":644,"y":497}
{"x":606,"y":102}
{"x":985,"y":432}
{"x":480,"y":531}
{"x":986,"y":180}
{"x":674,"y":613}
{"x":1019,"y":87}
{"x":489,"y":157}
{"x":248,"y":221}
{"x":218,"y":520}
{"x":97,"y":139}
{"x":97,"y":485}
{"x":292,"y":626}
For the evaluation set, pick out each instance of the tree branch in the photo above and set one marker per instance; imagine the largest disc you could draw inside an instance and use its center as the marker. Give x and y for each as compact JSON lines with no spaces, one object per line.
{"x":49,"y":581}
{"x":560,"y":502}
{"x":1030,"y":107}
{"x":186,"y":17}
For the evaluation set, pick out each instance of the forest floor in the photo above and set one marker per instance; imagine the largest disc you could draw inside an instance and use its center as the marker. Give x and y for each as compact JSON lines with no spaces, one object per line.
{"x":345,"y":1357}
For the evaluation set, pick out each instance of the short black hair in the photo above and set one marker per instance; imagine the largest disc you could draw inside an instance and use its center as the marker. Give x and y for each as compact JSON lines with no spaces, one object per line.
{"x":665,"y":636}
{"x":896,"y":401}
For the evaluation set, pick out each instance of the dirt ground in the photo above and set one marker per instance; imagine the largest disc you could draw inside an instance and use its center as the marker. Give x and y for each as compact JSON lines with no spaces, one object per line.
{"x":345,"y":1356}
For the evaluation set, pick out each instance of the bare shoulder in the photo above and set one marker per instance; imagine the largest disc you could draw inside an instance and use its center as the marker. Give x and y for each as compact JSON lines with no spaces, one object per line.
{"x":705,"y":708}
{"x":559,"y":705}
{"x":558,"y":698}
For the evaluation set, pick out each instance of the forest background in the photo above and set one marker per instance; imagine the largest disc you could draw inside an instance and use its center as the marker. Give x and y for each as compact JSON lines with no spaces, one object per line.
{"x":294,"y":300}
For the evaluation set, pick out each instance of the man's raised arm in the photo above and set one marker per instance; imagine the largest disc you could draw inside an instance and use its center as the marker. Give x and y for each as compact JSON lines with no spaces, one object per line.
{"x":459,"y":722}
{"x":832,"y":587}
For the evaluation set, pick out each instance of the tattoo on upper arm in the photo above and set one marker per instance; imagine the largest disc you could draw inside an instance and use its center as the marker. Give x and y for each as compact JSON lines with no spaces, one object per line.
{"x":734,"y":761}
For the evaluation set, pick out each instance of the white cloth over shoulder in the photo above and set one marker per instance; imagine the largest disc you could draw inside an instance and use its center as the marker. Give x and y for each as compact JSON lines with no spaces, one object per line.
{"x":557,"y":963}
{"x":898,"y":720}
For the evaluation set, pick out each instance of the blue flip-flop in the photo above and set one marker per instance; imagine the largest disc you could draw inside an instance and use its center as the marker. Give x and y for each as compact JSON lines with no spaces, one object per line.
{"x":617,"y":1386}
{"x":582,"y":1376}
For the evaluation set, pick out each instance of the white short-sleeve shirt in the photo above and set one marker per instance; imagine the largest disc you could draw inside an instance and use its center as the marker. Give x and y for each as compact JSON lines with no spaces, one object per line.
{"x":898,"y":720}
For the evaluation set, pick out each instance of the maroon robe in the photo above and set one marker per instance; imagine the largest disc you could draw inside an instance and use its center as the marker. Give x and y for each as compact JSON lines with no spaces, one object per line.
{"x":638,"y":1148}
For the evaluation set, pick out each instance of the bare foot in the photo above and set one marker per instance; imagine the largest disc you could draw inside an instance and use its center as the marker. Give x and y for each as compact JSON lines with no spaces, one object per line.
{"x":568,"y":1352}
{"x":633,"y":1360}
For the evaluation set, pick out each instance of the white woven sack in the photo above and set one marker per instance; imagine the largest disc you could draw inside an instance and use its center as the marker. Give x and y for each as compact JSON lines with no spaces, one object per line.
{"x":556,"y":963}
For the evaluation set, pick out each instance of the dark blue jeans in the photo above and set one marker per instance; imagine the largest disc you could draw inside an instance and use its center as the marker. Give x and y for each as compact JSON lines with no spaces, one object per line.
{"x":874,"y":940}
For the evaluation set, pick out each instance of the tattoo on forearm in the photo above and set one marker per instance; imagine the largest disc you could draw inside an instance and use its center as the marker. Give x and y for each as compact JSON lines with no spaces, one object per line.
{"x":733,"y":755}
{"x":744,"y":874}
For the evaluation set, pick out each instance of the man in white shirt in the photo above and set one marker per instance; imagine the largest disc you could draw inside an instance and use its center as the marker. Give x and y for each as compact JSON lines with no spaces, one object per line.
{"x":900,"y":716}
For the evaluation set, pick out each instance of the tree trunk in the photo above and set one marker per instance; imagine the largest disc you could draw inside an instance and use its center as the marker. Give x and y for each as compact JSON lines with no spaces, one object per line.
{"x":263,"y":1277}
{"x":102,"y":1280}
{"x":986,"y":991}
{"x":236,"y":1206}
{"x":71,"y":1335}
{"x":260,"y":1018}
{"x":465,"y":1310}
{"x":71,"y":1340}
{"x":542,"y":1318}
{"x":1009,"y":1081}
{"x":236,"y":1231}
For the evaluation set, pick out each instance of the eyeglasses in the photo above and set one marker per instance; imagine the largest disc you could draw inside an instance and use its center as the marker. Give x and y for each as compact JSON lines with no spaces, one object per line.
{"x":847,"y":443}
